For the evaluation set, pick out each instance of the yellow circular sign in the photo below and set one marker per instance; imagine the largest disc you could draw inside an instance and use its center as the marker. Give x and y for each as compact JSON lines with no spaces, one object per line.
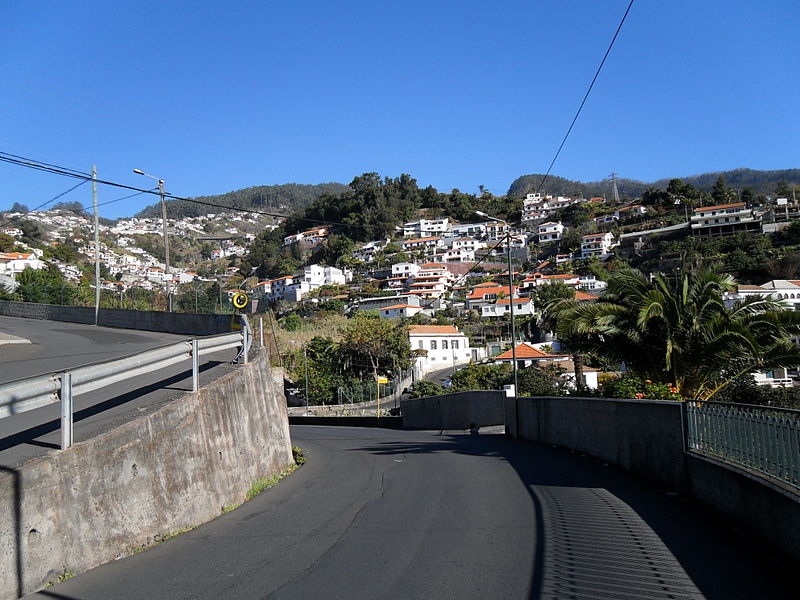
{"x":240,"y":300}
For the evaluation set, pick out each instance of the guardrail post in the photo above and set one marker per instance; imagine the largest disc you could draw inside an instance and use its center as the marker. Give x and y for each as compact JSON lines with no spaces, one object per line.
{"x":195,"y":365}
{"x":66,"y":410}
{"x":247,"y":337}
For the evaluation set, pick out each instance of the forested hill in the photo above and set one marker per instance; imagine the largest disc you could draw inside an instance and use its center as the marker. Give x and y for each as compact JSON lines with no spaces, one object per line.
{"x":284,"y":199}
{"x":759,"y":182}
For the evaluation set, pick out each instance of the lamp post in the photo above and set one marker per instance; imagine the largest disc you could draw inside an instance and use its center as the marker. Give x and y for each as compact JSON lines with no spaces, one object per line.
{"x":166,"y":239}
{"x":510,"y":298}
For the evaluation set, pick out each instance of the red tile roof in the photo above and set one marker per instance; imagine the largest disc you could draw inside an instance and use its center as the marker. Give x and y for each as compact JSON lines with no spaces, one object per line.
{"x":527,"y":352}
{"x":433,"y":329}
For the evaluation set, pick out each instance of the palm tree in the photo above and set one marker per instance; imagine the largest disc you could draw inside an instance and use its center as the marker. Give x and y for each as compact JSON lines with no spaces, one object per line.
{"x":680,"y":332}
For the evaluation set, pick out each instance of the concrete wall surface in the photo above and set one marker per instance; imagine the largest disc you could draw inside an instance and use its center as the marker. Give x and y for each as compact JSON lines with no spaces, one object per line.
{"x":78,"y":508}
{"x":646,"y":437}
{"x":459,"y":410}
{"x":178,"y":323}
{"x":642,"y":436}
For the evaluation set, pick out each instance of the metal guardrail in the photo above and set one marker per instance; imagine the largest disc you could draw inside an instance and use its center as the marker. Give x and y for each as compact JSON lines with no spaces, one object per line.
{"x":33,"y":392}
{"x":760,"y":438}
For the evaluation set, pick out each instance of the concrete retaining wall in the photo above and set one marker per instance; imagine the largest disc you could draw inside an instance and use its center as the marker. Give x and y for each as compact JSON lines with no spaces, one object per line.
{"x":178,"y":323}
{"x":642,"y":436}
{"x":646,"y":437}
{"x":175,"y":468}
{"x":459,"y":410}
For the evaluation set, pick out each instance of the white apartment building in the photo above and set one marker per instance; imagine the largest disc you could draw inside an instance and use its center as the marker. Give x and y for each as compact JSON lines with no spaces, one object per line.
{"x":597,"y":245}
{"x":724,"y":219}
{"x":634,"y":210}
{"x":427,"y":227}
{"x":550,"y":232}
{"x":444,"y":346}
{"x":405,"y":269}
{"x":469,"y":229}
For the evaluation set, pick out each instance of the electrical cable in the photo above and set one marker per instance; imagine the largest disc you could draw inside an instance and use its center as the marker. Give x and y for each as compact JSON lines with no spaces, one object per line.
{"x":585,"y":96}
{"x":12,"y":219}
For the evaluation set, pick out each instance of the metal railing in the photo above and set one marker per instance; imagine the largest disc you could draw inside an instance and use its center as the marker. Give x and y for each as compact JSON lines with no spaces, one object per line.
{"x":760,"y":438}
{"x":62,"y":386}
{"x":366,"y":392}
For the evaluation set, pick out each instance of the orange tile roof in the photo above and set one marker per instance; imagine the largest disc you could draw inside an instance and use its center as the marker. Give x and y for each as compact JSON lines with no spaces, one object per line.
{"x":433,"y":329}
{"x":752,"y":287}
{"x":516,"y":301}
{"x":428,"y":239}
{"x":16,"y":255}
{"x":481,"y":292}
{"x":399,"y":306}
{"x":580,"y":295}
{"x":526,"y":352}
{"x":718,"y":206}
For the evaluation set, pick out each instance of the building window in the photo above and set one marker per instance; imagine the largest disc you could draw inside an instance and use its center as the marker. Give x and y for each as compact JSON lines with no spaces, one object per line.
{"x":433,"y":344}
{"x":455,"y":344}
{"x":420,"y":344}
{"x":444,"y":344}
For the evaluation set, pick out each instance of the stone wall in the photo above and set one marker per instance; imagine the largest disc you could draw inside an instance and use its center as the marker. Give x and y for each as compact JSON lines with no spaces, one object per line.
{"x":175,"y":468}
{"x":178,"y":323}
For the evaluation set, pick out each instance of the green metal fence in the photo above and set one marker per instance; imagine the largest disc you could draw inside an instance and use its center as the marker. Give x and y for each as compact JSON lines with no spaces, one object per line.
{"x":365,"y":392}
{"x":763,"y":439}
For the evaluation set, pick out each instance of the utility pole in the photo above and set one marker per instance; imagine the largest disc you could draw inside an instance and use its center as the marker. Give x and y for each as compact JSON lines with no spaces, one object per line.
{"x":305,"y":368}
{"x":511,"y":307}
{"x":167,"y":276}
{"x":96,"y":248}
{"x":166,"y":238}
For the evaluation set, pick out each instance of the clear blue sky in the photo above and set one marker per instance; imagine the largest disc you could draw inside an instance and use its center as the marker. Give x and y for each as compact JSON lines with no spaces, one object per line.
{"x":217,"y":96}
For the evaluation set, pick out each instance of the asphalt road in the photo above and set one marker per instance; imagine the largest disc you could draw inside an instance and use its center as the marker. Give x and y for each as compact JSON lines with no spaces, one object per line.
{"x":58,"y":346}
{"x":380,"y":514}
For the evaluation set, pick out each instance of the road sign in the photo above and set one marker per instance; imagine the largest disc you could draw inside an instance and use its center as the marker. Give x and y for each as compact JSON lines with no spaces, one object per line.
{"x":240,"y":300}
{"x":383,"y":380}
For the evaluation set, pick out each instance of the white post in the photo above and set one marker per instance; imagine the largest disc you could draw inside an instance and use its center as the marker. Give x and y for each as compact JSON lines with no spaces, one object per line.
{"x":66,"y":410}
{"x":195,"y":366}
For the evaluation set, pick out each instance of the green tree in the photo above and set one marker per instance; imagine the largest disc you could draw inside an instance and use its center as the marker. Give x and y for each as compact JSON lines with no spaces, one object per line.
{"x":373,"y":345}
{"x":721,"y":193}
{"x":425,"y":388}
{"x":679,"y":331}
{"x":46,"y":286}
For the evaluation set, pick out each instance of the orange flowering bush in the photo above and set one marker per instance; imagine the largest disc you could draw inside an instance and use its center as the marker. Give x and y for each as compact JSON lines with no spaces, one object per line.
{"x":630,"y":386}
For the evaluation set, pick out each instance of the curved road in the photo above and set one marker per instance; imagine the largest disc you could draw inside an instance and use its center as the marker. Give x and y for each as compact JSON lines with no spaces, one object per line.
{"x":381,"y":514}
{"x":59,"y":346}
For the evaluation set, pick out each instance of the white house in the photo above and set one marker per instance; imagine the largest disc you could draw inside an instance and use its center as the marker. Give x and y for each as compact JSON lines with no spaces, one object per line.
{"x":724,"y":219}
{"x":501,"y":308}
{"x":597,"y":245}
{"x":12,"y":263}
{"x":398,"y":310}
{"x":442,"y":346}
{"x":550,"y":232}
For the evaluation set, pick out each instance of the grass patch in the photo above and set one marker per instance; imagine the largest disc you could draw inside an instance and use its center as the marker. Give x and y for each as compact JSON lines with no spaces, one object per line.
{"x":66,"y":574}
{"x":156,"y":539}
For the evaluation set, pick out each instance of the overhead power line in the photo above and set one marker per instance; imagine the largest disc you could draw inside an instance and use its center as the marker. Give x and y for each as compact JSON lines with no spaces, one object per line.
{"x":585,"y":96}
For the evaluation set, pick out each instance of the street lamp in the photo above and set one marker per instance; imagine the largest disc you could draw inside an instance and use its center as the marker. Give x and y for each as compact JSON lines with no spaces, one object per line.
{"x":166,"y":239}
{"x":510,"y":298}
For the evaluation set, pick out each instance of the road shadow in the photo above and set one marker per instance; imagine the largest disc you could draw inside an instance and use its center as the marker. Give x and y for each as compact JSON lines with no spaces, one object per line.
{"x":31,"y":435}
{"x":603,"y":533}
